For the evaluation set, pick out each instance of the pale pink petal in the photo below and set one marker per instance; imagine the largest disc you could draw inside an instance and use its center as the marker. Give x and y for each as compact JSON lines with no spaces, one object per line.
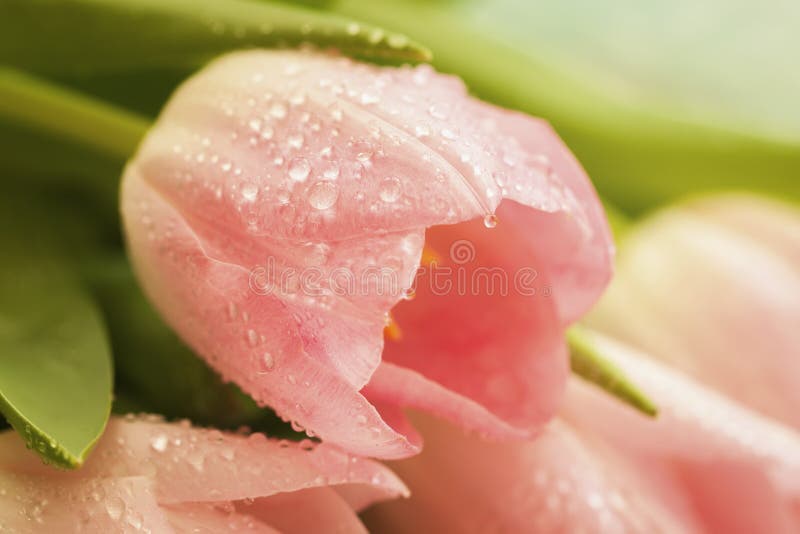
{"x":272,"y":163}
{"x":191,"y":464}
{"x":557,"y":483}
{"x":205,"y":518}
{"x":713,"y":287}
{"x":481,"y":341}
{"x":325,"y":511}
{"x":31,"y":504}
{"x":199,"y":476}
{"x":699,"y":436}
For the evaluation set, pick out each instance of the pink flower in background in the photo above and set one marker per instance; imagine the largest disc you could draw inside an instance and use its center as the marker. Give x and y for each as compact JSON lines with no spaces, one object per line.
{"x":736,"y":470}
{"x":149,"y":476}
{"x":712,"y":286}
{"x":279,"y":209}
{"x":706,"y":464}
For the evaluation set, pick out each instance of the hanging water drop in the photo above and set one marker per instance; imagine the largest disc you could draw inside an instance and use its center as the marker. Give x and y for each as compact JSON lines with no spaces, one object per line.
{"x":490,"y":220}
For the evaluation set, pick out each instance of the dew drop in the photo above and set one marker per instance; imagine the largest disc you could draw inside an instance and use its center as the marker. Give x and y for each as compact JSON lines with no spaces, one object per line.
{"x":277,"y":110}
{"x":159,"y":443}
{"x":115,"y":507}
{"x":436,"y":113}
{"x":448,"y":134}
{"x":252,"y":337}
{"x":299,"y":169}
{"x":266,"y":363}
{"x":397,"y":41}
{"x":390,"y":189}
{"x":422,"y":130}
{"x":249,"y":192}
{"x":490,"y":220}
{"x":369,"y":98}
{"x":376,"y":36}
{"x":296,"y":140}
{"x":323,"y":195}
{"x":331,"y":172}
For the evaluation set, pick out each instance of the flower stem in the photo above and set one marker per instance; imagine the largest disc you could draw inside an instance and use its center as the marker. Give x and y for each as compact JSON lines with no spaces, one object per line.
{"x":69,"y":114}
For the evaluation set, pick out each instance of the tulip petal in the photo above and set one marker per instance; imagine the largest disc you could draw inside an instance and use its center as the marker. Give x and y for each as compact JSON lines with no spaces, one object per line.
{"x":722,"y":272}
{"x":143,"y":468}
{"x":557,"y":483}
{"x":31,"y":504}
{"x":699,"y":436}
{"x":331,"y":513}
{"x":205,"y":518}
{"x":270,"y":168}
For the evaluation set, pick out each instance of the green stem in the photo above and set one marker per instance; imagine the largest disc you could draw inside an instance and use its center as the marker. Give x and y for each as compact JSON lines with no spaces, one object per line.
{"x":590,"y":364}
{"x":70,"y":114}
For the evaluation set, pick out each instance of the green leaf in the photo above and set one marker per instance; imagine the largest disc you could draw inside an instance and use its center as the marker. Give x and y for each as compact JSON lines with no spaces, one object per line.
{"x":590,"y":364}
{"x":153,"y":366}
{"x":54,"y":37}
{"x":614,"y":79}
{"x":55,"y":363}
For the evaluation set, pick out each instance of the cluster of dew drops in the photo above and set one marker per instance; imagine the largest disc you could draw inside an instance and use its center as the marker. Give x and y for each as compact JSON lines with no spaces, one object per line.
{"x":312,"y":163}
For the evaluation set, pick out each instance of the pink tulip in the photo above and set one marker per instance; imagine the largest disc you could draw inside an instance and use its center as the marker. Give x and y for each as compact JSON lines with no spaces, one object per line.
{"x":149,"y":476}
{"x":737,"y":470}
{"x":713,"y":287}
{"x":274,"y":179}
{"x":706,"y":464}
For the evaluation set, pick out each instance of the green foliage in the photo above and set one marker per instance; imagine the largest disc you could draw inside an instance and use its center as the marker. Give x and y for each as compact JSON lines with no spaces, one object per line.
{"x":55,"y":369}
{"x":654,"y":104}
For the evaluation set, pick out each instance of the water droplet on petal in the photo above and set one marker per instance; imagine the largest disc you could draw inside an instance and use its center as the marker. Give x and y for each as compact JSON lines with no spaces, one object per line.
{"x":249,"y":192}
{"x":323,"y":195}
{"x":252,"y":337}
{"x":390,"y":189}
{"x":448,"y":134}
{"x":278,"y":110}
{"x":331,"y":172}
{"x":115,"y":507}
{"x":159,"y":443}
{"x":299,"y":169}
{"x":296,"y":140}
{"x":490,"y":220}
{"x":267,"y":363}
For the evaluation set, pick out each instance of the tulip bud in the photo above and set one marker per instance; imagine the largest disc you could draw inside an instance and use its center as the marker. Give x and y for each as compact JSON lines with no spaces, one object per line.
{"x":712,"y":286}
{"x":279,"y":209}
